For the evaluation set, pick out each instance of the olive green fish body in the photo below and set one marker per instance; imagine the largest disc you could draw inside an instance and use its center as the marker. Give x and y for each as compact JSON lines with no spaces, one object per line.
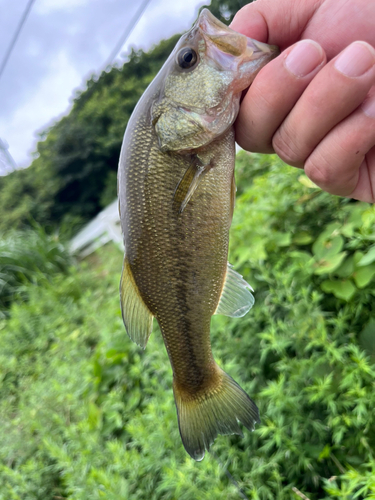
{"x":176,"y":190}
{"x":185,"y":254}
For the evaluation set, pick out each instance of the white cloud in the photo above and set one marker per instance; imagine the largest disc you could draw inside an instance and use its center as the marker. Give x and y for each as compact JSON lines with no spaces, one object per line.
{"x":62,"y":42}
{"x":47,"y":6}
{"x":49,"y":100}
{"x":162,"y":19}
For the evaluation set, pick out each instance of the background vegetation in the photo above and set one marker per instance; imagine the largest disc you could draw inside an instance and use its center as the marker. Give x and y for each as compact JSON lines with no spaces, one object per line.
{"x":86,"y":414}
{"x":73,"y":175}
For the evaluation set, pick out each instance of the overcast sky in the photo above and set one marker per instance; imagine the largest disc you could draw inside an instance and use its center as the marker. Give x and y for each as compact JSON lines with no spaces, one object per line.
{"x":61,"y":44}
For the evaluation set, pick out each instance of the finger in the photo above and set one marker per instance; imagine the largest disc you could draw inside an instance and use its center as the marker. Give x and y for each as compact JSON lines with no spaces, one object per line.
{"x":341,"y":162}
{"x":283,"y":22}
{"x":273,"y":94}
{"x":337,"y":90}
{"x":274,"y":22}
{"x":365,"y":189}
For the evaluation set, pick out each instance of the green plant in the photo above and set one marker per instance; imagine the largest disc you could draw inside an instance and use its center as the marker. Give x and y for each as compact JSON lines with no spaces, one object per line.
{"x":86,"y":414}
{"x":25,"y":256}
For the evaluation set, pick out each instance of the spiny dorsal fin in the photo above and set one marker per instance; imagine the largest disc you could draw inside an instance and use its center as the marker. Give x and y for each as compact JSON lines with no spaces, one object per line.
{"x":135,"y":314}
{"x":236,"y":299}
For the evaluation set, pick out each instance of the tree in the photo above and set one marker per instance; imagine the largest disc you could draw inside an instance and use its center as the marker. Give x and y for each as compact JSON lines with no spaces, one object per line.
{"x":77,"y":158}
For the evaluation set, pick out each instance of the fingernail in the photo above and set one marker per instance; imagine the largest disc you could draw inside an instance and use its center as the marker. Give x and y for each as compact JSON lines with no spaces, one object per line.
{"x":304,"y":58}
{"x":368,"y":106}
{"x":356,"y":59}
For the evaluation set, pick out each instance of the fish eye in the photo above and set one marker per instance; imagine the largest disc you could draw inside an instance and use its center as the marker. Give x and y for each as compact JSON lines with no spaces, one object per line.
{"x":187,"y":57}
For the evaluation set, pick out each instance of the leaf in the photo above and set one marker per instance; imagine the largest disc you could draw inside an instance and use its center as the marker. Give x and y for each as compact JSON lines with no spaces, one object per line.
{"x":341,"y":289}
{"x":325,"y":453}
{"x":301,"y":257}
{"x":355,"y":217}
{"x":364,"y":275}
{"x":302,"y":238}
{"x":326,"y":247}
{"x":331,"y":230}
{"x":368,"y":258}
{"x":325,"y":266}
{"x":357,"y":257}
{"x":282,"y":239}
{"x":368,"y":216}
{"x":347,"y":230}
{"x":346,"y":269}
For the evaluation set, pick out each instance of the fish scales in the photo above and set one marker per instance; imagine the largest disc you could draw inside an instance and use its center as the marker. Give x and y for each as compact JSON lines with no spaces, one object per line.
{"x":176,"y":191}
{"x":189,"y":282}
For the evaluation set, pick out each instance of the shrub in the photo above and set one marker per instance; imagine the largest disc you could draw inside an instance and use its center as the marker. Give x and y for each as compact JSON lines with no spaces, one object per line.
{"x":86,"y":414}
{"x":25,"y":256}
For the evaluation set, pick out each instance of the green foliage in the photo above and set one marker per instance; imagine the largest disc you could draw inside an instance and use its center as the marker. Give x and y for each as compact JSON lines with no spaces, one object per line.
{"x":74,"y":173}
{"x":26,"y":256}
{"x":302,"y":250}
{"x":86,"y":414}
{"x":27,"y":193}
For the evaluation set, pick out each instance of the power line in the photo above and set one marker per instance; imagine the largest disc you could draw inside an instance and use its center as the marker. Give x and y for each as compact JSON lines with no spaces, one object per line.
{"x":7,"y":164}
{"x":128,"y":31}
{"x":16,"y":35}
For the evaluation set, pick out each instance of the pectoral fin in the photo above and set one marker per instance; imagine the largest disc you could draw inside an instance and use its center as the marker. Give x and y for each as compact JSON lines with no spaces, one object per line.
{"x":189,"y":183}
{"x":135,"y":314}
{"x":236,"y":299}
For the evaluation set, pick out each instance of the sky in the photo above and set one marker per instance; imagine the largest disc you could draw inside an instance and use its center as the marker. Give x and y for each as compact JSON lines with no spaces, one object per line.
{"x":62,"y":43}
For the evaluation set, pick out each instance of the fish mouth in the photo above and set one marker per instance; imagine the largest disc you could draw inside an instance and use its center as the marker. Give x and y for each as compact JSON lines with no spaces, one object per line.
{"x":222,"y":39}
{"x":262,"y":48}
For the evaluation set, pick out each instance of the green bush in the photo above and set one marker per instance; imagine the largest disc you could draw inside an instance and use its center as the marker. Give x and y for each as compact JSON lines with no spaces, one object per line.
{"x":86,"y":414}
{"x":25,"y":256}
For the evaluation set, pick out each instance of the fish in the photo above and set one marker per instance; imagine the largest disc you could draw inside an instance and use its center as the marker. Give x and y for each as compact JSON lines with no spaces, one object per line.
{"x":176,"y":193}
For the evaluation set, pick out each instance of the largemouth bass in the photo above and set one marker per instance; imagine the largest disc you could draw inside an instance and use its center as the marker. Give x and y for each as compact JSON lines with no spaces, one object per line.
{"x":176,"y":190}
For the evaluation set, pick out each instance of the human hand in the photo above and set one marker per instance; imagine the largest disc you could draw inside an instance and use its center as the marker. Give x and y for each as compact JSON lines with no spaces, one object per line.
{"x":314,"y":105}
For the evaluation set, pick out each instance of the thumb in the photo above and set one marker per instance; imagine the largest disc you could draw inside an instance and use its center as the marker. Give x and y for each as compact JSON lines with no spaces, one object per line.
{"x":280,"y":22}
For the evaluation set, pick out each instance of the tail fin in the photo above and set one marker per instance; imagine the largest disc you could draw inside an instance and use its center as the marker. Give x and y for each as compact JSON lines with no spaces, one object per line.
{"x":202,"y":416}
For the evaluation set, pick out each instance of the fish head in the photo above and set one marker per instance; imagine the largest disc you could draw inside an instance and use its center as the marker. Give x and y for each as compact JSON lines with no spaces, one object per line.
{"x":200,"y":85}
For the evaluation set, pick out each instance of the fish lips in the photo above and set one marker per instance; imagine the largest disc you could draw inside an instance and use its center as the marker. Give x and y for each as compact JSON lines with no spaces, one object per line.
{"x":232,"y":51}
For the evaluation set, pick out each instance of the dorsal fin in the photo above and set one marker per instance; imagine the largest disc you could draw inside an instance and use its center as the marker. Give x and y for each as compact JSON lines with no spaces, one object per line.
{"x":236,"y":299}
{"x":135,"y":314}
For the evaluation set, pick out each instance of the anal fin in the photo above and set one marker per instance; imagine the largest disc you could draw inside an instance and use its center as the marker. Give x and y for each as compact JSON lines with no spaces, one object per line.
{"x":135,"y":314}
{"x":236,"y":299}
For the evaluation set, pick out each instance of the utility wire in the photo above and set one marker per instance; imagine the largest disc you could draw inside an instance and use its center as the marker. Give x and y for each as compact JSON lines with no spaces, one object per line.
{"x":128,"y":31}
{"x":16,"y":35}
{"x":7,"y":164}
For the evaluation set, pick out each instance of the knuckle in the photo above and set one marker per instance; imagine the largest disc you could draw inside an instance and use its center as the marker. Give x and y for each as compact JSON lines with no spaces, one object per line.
{"x":318,"y":171}
{"x":328,"y":175}
{"x":284,"y":145}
